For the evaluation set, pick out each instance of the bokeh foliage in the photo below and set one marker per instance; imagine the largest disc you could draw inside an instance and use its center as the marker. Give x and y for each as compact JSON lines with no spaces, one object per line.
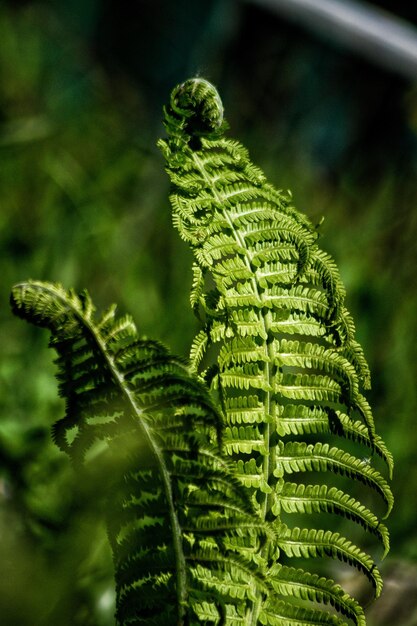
{"x":83,"y":201}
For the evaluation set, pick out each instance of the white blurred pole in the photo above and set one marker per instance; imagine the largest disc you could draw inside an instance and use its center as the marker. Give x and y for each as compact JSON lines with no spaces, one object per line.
{"x":362,"y":27}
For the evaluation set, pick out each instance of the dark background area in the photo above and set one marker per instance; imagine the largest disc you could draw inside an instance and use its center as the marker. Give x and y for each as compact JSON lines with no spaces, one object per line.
{"x":84,"y":201}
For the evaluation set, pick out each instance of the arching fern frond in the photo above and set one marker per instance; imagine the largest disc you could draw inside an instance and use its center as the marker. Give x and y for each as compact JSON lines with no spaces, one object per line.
{"x":173,"y":502}
{"x":287,"y":369}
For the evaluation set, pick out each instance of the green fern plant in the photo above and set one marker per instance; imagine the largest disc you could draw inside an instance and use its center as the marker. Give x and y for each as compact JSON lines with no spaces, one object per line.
{"x":287,"y":368}
{"x":211,"y":461}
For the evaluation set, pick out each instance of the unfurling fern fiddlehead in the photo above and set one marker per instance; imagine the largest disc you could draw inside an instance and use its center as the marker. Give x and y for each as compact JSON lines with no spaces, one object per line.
{"x":288,"y":370}
{"x":175,"y":510}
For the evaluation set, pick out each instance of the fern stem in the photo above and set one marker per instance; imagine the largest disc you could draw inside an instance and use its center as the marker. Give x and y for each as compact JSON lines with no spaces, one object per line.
{"x":181,"y":577}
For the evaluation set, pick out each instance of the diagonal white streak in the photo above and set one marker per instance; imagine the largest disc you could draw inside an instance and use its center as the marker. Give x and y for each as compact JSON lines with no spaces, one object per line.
{"x":360,"y":26}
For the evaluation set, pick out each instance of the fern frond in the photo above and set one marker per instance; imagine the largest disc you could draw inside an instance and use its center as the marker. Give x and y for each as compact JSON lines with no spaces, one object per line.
{"x":280,"y":613}
{"x":301,"y":457}
{"x":291,"y":582}
{"x":311,"y":356}
{"x":173,"y":502}
{"x":299,"y":419}
{"x":289,"y":369}
{"x":197,"y":288}
{"x":244,"y":440}
{"x":309,"y":543}
{"x":307,"y":499}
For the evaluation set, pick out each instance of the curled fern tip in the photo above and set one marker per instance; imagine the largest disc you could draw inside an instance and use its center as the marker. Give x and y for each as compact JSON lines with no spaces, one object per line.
{"x":198,"y":102}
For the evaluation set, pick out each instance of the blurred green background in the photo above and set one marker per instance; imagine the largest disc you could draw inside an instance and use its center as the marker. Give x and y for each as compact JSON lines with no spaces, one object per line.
{"x":84,"y":201}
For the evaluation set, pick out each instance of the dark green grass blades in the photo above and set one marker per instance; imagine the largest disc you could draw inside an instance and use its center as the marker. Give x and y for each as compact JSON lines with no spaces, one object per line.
{"x":277,"y":345}
{"x":175,"y":512}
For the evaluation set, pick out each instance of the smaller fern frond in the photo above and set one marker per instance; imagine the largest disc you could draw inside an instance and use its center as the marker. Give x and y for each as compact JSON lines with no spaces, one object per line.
{"x":173,"y":503}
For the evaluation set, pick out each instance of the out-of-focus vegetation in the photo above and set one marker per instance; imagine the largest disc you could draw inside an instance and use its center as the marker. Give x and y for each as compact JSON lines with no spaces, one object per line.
{"x":84,"y":201}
